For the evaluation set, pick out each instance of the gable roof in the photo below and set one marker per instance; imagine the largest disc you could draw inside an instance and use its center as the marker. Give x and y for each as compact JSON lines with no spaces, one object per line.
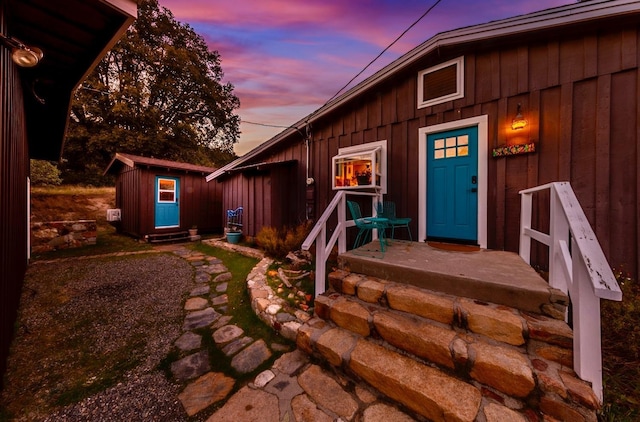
{"x":74,"y":35}
{"x":133,"y":161}
{"x":545,"y":20}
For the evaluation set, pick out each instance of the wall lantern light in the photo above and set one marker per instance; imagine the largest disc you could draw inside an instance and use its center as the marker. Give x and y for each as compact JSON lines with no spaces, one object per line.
{"x":519,"y":122}
{"x":22,"y":55}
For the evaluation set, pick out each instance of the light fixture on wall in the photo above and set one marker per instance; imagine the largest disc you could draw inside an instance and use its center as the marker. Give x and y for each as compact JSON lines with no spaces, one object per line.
{"x":21,"y":54}
{"x":519,"y":122}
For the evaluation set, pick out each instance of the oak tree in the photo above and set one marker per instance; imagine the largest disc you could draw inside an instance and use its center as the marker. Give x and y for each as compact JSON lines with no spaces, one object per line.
{"x":157,"y":93}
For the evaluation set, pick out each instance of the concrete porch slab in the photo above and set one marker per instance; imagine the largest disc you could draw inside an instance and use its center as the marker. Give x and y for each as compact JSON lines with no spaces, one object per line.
{"x":491,"y":276}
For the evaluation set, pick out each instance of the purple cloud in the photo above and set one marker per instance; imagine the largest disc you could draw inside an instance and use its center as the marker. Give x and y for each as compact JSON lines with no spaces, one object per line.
{"x":286,"y":58}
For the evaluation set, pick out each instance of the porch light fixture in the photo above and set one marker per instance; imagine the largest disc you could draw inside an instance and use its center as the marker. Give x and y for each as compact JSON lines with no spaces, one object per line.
{"x":519,"y":122}
{"x":21,"y":54}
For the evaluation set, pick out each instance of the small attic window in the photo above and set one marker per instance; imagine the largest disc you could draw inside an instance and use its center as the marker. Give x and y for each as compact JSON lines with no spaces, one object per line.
{"x":441,"y":83}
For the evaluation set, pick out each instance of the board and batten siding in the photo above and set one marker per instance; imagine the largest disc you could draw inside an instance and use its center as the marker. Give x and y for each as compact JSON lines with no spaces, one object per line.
{"x":14,"y":170}
{"x":580,"y":97}
{"x":200,"y":202}
{"x":271,"y":197}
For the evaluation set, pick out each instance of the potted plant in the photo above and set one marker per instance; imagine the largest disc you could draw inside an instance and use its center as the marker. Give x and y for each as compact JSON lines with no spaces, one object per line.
{"x":234,"y":225}
{"x":363,"y":177}
{"x":193,"y":231}
{"x":233,"y":234}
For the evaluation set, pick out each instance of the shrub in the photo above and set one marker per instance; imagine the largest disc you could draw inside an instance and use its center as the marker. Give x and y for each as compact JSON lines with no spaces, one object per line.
{"x":44,"y":173}
{"x":277,"y":243}
{"x":621,"y":353}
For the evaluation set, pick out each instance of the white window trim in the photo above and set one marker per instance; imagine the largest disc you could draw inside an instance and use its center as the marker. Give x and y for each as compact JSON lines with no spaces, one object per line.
{"x":175,"y":183}
{"x":459,"y":83}
{"x":370,"y":147}
{"x":482,"y":122}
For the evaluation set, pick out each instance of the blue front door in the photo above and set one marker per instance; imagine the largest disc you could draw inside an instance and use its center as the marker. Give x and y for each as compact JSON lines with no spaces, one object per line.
{"x":452,"y":185}
{"x":167,"y":206}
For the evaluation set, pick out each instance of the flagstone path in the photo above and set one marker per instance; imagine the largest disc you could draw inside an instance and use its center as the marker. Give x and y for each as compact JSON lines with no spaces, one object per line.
{"x":294,"y":389}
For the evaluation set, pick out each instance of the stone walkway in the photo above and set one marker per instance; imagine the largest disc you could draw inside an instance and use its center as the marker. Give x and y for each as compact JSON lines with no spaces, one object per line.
{"x":294,"y":389}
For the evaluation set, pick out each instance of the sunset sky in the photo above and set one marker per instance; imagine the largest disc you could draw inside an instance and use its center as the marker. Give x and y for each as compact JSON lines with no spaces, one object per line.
{"x":286,"y":58}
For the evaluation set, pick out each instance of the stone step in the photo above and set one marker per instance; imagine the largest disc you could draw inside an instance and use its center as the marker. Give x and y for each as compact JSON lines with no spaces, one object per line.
{"x":447,"y":357}
{"x":423,"y":389}
{"x":492,"y":276}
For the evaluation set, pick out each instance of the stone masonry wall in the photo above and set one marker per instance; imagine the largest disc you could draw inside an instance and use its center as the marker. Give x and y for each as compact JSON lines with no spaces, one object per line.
{"x":444,"y":355}
{"x":54,"y":235}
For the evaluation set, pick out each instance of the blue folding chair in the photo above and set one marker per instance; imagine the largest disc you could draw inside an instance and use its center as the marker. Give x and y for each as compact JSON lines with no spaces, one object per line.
{"x":387,"y":209}
{"x":366,"y":225}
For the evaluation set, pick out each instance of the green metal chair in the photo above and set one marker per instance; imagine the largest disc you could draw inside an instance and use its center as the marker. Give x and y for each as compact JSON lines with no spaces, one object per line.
{"x":366,"y":225}
{"x":387,"y":209}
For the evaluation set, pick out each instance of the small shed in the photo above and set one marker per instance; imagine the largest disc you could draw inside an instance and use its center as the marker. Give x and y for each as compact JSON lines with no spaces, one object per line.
{"x":163,"y":198}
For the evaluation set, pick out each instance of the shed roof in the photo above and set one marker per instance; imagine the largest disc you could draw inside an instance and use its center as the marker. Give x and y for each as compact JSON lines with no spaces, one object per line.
{"x":524,"y":25}
{"x":138,"y":161}
{"x":74,"y":35}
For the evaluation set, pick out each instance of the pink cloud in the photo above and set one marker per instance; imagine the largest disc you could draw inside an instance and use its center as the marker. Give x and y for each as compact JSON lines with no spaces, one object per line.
{"x":286,"y":58}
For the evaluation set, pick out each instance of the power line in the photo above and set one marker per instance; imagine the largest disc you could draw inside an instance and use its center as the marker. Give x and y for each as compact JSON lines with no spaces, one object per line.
{"x":265,"y":124}
{"x":383,"y":51}
{"x":363,"y":69}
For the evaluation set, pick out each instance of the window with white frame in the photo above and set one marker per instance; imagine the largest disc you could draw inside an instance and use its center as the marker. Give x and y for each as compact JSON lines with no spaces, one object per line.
{"x":361,"y":166}
{"x":441,"y":83}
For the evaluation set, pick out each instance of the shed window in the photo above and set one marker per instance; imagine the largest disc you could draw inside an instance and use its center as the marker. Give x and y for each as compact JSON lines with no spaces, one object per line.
{"x":441,"y":83}
{"x":166,"y":190}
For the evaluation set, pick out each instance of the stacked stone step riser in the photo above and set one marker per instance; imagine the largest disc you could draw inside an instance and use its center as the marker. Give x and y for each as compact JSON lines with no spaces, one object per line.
{"x":509,"y":355}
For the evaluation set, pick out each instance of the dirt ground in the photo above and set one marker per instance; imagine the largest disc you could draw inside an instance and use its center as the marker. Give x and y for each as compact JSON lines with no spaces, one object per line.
{"x":79,"y":204}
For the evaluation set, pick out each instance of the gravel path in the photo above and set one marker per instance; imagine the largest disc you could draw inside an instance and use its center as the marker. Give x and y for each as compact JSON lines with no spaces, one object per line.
{"x":132,"y":300}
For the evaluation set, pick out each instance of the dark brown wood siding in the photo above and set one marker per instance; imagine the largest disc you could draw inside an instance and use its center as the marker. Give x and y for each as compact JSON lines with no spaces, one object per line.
{"x":14,"y":170}
{"x":579,"y":91}
{"x":200,"y":202}
{"x":274,"y":197}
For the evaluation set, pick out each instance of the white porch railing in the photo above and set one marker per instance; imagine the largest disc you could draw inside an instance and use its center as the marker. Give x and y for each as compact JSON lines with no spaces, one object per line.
{"x":319,"y":233}
{"x":578,"y":267}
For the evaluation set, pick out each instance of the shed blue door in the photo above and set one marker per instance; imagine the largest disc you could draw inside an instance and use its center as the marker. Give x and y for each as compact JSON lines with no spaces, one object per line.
{"x":167,"y":207}
{"x":452,"y":185}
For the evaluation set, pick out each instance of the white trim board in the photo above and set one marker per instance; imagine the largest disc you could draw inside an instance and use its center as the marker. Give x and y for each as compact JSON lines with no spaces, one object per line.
{"x":482,"y":123}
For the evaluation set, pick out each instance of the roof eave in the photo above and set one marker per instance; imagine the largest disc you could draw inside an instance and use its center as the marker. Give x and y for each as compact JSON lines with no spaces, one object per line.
{"x":537,"y":21}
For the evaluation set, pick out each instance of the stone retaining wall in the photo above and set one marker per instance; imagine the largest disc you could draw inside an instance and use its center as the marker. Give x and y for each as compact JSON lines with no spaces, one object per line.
{"x":478,"y":361}
{"x":54,"y":235}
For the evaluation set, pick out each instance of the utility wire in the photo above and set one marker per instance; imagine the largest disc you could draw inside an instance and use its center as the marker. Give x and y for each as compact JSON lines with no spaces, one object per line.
{"x":265,"y":124}
{"x":363,"y":70}
{"x":383,"y":51}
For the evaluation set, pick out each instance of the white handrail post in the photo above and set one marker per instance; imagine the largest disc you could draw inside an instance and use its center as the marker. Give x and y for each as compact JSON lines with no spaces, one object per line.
{"x":321,"y":260}
{"x":587,"y":343}
{"x":342,"y":221}
{"x":525,"y":223}
{"x":558,"y":230}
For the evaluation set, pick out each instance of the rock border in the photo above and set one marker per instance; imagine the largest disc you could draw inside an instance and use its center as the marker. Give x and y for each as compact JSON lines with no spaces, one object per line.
{"x":266,"y":304}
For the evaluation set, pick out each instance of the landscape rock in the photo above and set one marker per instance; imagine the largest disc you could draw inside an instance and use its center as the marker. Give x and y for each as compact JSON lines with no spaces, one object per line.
{"x":206,"y":390}
{"x":421,"y":388}
{"x":420,"y":302}
{"x":188,"y":341}
{"x":305,"y":410}
{"x":325,"y":391}
{"x":200,"y":290}
{"x":235,"y":346}
{"x":496,"y":413}
{"x":191,"y":366}
{"x":199,"y":319}
{"x":227,"y":334}
{"x":505,"y":369}
{"x":249,"y":405}
{"x":382,"y":412}
{"x":263,"y":378}
{"x":351,"y":316}
{"x":251,"y":357}
{"x":195,"y":304}
{"x":418,"y":337}
{"x":499,"y":324}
